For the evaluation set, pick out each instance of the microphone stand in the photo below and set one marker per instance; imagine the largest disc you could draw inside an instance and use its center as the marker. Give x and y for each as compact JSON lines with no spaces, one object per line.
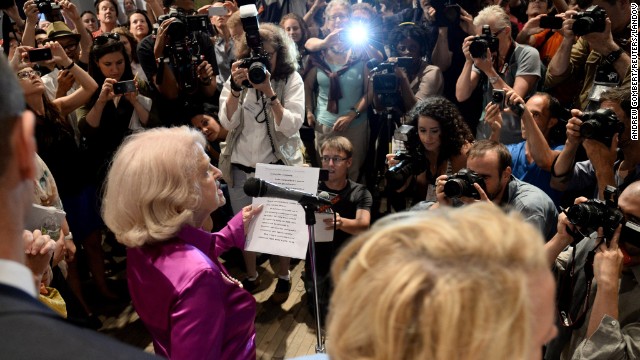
{"x":310,"y":219}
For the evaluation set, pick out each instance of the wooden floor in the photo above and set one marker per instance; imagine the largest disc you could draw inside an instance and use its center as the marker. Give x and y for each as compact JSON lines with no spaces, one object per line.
{"x":282,"y":331}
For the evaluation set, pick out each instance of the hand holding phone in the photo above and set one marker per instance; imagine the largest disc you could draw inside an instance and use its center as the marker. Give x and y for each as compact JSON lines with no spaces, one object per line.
{"x":124,"y":87}
{"x":550,"y":22}
{"x":42,"y":54}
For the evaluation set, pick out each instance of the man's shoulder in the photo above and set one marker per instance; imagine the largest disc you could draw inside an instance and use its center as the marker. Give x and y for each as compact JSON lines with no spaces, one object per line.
{"x":524,"y":194}
{"x":32,"y":323}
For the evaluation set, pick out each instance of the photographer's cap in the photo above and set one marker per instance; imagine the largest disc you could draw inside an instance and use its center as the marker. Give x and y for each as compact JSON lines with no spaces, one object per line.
{"x":59,"y":29}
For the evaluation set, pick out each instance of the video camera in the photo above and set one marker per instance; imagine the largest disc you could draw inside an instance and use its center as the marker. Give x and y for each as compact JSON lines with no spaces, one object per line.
{"x":461,"y":184}
{"x":480,"y":43}
{"x":600,"y":125}
{"x":50,"y":9}
{"x":591,"y":215}
{"x":258,"y":62}
{"x":385,"y":81}
{"x":412,"y":161}
{"x":184,"y":46}
{"x":589,"y":21}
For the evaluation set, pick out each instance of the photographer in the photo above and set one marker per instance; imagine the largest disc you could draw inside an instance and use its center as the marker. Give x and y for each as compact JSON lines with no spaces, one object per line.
{"x":532,"y":159}
{"x":601,"y":314}
{"x":497,"y":62}
{"x":418,"y":80}
{"x":263,"y":122}
{"x":601,"y":58}
{"x":157,"y":55}
{"x":604,"y":166}
{"x":491,"y":163}
{"x":444,"y":139}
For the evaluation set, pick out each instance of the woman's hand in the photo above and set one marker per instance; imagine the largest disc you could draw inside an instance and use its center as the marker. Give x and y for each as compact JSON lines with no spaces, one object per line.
{"x":106,"y":93}
{"x":238,"y":74}
{"x":265,"y":86}
{"x":69,"y":10}
{"x":65,"y":82}
{"x":59,"y":55}
{"x":493,"y":117}
{"x":485,"y":64}
{"x":465,"y":47}
{"x":31,"y":11}
{"x":205,"y":72}
{"x":342,"y":123}
{"x":161,"y":37}
{"x":248,"y":213}
{"x":311,"y":119}
{"x":20,"y":58}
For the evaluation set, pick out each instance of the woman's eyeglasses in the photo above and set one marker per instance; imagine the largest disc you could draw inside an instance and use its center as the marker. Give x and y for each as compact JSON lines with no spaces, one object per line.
{"x":104,"y":38}
{"x":24,"y":75}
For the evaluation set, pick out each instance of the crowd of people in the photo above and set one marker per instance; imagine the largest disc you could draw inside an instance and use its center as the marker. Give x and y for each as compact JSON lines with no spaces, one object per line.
{"x":141,"y":125}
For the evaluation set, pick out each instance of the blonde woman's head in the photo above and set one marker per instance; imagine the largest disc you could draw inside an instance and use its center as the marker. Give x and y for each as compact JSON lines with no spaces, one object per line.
{"x":153,"y":186}
{"x":468,"y":283}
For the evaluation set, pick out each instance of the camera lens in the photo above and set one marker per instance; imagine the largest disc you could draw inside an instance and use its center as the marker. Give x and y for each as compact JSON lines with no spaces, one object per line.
{"x":397,"y":175}
{"x":584,"y":214}
{"x":478,"y":48}
{"x":455,"y":188}
{"x":590,"y":128}
{"x":583,"y":25}
{"x":257,"y":72}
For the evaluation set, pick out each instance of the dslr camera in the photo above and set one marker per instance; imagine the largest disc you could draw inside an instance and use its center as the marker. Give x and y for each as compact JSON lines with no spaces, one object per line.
{"x":411,"y":160}
{"x":480,"y":43}
{"x":592,"y":214}
{"x":184,"y":46}
{"x":258,"y":62}
{"x":50,"y":9}
{"x":589,"y":21}
{"x":385,"y":81}
{"x":600,"y":125}
{"x":461,"y":184}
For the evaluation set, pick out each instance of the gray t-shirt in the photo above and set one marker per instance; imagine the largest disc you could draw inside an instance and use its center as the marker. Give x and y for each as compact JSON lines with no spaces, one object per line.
{"x":525,"y":60}
{"x":536,"y":207}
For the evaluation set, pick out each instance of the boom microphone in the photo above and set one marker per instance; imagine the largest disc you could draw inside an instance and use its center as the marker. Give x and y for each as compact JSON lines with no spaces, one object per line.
{"x":256,"y":187}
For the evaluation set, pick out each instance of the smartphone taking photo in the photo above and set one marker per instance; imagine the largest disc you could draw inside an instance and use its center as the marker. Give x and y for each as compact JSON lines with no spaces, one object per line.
{"x":36,"y":55}
{"x":124,"y":87}
{"x":551,"y":22}
{"x":218,"y":11}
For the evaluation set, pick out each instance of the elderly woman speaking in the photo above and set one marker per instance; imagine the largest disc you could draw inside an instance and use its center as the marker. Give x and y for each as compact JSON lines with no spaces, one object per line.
{"x":160,"y":191}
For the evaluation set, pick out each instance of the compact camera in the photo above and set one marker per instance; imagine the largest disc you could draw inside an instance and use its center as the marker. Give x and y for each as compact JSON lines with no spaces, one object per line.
{"x":50,"y":9}
{"x":600,"y":125}
{"x":589,"y":21}
{"x":480,"y":43}
{"x":461,"y":184}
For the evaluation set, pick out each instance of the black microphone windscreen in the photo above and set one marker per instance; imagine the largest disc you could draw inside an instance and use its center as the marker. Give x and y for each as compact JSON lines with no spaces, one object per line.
{"x":252,"y":187}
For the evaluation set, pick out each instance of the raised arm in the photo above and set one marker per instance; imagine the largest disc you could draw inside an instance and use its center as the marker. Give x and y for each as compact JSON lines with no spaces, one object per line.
{"x":88,"y":85}
{"x":70,"y":11}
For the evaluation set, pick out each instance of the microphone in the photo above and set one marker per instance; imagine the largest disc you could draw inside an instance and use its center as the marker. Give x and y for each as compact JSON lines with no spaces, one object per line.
{"x":256,"y":187}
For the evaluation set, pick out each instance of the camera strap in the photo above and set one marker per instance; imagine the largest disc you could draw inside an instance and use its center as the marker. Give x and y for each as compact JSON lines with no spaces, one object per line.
{"x":507,"y":59}
{"x":569,"y":302}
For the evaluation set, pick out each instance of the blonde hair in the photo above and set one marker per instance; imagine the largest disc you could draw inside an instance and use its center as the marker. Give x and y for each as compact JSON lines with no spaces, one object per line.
{"x":492,"y":13}
{"x":152,"y":188}
{"x":340,"y":143}
{"x":441,"y":285}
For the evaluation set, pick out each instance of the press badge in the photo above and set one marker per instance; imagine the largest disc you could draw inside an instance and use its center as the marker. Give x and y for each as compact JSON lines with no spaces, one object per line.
{"x":252,"y":107}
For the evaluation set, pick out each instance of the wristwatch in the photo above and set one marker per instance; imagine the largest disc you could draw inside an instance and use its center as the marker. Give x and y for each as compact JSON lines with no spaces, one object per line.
{"x":613,"y":56}
{"x":493,"y":79}
{"x":356,"y":111}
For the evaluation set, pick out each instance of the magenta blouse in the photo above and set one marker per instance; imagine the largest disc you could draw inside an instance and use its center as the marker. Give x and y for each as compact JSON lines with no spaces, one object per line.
{"x":187,"y":299}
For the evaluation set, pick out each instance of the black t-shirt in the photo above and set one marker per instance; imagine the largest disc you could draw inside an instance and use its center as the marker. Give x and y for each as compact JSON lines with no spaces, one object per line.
{"x":353,"y":197}
{"x":172,"y":112}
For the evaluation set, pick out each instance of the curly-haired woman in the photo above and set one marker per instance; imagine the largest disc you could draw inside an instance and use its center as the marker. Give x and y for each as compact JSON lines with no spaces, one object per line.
{"x":445,"y":139}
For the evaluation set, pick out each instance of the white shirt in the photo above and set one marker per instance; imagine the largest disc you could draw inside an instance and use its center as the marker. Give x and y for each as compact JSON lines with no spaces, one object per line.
{"x":253,"y":145}
{"x":16,"y":275}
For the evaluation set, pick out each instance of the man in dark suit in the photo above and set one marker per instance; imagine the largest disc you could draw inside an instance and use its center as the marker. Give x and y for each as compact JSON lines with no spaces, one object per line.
{"x":28,"y":329}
